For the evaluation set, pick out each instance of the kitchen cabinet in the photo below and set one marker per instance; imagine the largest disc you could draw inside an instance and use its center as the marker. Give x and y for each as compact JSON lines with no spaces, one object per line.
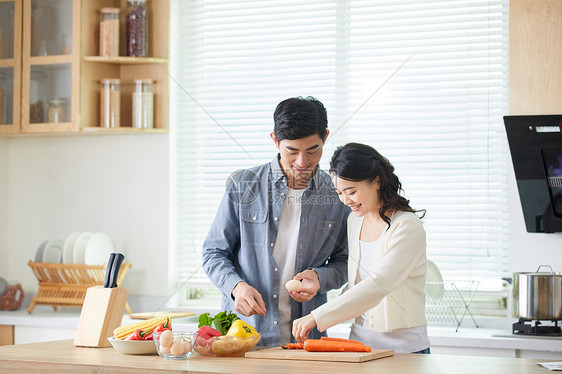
{"x":6,"y":335}
{"x":56,"y":70}
{"x":10,"y":65}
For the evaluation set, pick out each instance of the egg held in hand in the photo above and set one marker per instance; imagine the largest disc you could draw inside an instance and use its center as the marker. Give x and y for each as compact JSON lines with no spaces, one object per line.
{"x":293,"y":285}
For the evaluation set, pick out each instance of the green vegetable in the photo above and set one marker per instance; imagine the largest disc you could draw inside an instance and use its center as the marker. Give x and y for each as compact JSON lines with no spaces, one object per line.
{"x":221,"y":321}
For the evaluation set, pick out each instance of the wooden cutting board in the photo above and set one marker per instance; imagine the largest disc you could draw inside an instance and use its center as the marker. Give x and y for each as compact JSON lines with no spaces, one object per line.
{"x":148,"y":315}
{"x":279,"y":353}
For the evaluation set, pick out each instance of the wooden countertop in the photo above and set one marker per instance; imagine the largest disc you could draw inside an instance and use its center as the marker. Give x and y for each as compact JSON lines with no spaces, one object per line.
{"x":62,"y":357}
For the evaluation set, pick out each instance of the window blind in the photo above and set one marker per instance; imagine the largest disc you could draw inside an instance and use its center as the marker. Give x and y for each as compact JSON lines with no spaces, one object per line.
{"x":425,"y":83}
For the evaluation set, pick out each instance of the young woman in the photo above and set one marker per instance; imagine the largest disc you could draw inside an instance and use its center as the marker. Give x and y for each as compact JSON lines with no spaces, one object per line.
{"x":385,"y":293}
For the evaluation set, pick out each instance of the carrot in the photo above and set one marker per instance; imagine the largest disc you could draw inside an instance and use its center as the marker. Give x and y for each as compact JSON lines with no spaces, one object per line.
{"x":340,"y":340}
{"x":293,"y":346}
{"x":319,"y":345}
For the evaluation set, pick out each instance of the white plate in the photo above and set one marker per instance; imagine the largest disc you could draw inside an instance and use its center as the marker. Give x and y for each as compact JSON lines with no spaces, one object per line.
{"x":435,"y":288}
{"x":133,"y":347}
{"x":39,"y":251}
{"x":68,"y":249}
{"x":53,"y":251}
{"x":79,"y":253}
{"x":98,"y":249}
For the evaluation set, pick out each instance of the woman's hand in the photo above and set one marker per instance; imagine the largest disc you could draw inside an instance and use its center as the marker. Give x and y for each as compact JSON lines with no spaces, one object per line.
{"x":302,"y":326}
{"x":309,"y":288}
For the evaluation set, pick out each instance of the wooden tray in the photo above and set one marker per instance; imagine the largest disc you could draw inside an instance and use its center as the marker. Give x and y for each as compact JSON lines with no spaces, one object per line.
{"x":66,"y":285}
{"x":147,"y":315}
{"x":279,"y":353}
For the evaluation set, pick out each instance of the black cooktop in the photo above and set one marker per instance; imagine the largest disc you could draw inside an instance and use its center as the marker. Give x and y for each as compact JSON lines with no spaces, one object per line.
{"x":537,"y":327}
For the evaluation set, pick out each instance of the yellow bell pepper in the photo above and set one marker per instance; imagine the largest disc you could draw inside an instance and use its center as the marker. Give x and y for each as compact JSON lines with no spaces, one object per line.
{"x":242,"y":330}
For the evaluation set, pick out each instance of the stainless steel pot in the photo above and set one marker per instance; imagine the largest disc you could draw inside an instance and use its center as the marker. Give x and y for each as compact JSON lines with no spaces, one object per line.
{"x":538,"y":295}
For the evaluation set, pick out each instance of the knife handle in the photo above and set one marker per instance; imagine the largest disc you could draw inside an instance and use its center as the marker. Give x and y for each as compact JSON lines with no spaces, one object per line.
{"x":108,"y":270}
{"x":118,"y":259}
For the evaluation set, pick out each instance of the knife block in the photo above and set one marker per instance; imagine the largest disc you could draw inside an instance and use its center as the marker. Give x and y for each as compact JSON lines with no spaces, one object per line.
{"x":101,"y":313}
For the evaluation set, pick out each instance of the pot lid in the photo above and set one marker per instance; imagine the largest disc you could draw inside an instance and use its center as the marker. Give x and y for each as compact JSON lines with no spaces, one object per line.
{"x":3,"y":286}
{"x":539,"y":271}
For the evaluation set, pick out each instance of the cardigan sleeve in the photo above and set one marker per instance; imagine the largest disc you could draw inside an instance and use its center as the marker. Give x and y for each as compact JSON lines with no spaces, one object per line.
{"x":404,"y":244}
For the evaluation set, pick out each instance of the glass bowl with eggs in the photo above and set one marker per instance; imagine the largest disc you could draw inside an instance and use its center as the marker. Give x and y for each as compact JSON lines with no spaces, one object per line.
{"x":174,"y":344}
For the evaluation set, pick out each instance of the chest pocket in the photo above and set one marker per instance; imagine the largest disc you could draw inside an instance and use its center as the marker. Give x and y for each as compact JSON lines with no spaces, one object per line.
{"x":326,"y":235}
{"x":254,"y":230}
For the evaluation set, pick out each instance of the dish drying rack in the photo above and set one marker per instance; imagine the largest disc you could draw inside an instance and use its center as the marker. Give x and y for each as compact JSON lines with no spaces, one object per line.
{"x":66,"y":284}
{"x":449,"y":301}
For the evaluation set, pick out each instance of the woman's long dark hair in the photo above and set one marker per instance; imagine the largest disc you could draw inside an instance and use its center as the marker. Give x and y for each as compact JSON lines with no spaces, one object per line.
{"x":359,"y":162}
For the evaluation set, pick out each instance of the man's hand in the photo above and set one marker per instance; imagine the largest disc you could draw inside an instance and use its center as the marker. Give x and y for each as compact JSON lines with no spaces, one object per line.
{"x":302,"y":326}
{"x":309,"y":288}
{"x":247,"y":300}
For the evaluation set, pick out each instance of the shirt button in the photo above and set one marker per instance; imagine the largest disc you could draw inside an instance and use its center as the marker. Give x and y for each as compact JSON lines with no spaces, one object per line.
{"x":276,"y":269}
{"x":274,"y":322}
{"x":329,"y":225}
{"x":275,"y":296}
{"x":271,"y":244}
{"x":275,"y":218}
{"x":254,"y":218}
{"x":282,"y":193}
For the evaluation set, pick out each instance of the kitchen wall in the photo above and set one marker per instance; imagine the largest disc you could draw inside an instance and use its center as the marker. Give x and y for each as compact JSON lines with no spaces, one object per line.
{"x":4,"y":249}
{"x":117,"y":184}
{"x":529,"y":250}
{"x":535,"y":35}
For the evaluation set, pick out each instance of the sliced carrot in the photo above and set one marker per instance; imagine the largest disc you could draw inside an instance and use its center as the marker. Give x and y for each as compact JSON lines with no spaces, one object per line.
{"x":293,"y":346}
{"x":340,"y":340}
{"x":319,"y":345}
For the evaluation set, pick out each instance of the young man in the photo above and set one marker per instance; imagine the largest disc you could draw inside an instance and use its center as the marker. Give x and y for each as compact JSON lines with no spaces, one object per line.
{"x":279,"y":221}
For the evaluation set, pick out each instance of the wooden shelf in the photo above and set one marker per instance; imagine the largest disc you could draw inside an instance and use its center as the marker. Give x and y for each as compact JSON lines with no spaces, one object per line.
{"x":128,"y":130}
{"x":122,"y":60}
{"x":7,"y":63}
{"x":50,"y":60}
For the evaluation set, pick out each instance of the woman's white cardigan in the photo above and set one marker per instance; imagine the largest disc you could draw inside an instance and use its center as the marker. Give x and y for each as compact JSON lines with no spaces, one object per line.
{"x":395,"y":292}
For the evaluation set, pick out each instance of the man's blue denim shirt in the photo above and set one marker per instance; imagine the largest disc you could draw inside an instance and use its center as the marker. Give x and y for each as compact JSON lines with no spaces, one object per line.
{"x":239,"y":245}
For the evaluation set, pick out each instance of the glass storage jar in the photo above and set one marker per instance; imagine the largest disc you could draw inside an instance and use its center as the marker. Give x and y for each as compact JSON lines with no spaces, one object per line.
{"x":58,"y":110}
{"x":143,"y":104}
{"x":3,"y":89}
{"x":110,"y":103}
{"x":37,"y":96}
{"x":136,"y":24}
{"x":109,"y":32}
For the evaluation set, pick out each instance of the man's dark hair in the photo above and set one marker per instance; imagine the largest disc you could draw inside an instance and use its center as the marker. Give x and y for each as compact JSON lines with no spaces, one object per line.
{"x":300,"y":117}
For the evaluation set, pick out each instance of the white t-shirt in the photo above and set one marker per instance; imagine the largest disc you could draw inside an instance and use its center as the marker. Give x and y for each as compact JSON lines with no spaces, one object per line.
{"x":284,"y":253}
{"x":407,"y":340}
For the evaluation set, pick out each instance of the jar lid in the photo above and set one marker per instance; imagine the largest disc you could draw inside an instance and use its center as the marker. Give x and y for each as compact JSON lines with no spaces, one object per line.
{"x":3,"y":286}
{"x":110,"y":80}
{"x":110,"y":10}
{"x":58,"y":101}
{"x":144,"y":80}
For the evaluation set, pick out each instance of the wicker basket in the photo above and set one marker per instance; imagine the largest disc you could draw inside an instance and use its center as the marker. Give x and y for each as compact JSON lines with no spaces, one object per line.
{"x":66,"y":285}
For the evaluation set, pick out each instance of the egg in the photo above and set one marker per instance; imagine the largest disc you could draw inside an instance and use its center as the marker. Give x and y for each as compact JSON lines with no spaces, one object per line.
{"x":177,"y":349}
{"x":187,"y":346}
{"x":293,"y":285}
{"x":164,"y":349}
{"x":166,"y":338}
